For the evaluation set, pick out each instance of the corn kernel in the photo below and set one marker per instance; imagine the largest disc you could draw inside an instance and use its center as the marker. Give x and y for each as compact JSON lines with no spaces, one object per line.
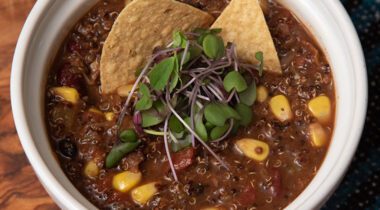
{"x":141,"y":195}
{"x":254,"y":149}
{"x":68,"y":94}
{"x":124,"y":90}
{"x":262,"y":94}
{"x":91,"y":170}
{"x":95,"y":110}
{"x":320,"y":107}
{"x":281,"y":108}
{"x":109,"y":116}
{"x":318,"y":135}
{"x":125,"y":181}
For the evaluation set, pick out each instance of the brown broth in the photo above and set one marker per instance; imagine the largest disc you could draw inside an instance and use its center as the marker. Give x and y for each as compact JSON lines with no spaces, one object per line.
{"x":79,"y":135}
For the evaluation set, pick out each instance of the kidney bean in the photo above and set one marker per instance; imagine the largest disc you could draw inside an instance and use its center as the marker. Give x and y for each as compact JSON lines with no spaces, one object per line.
{"x":183,"y":158}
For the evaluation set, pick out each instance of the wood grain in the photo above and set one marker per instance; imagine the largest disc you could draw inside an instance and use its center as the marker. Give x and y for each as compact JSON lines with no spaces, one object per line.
{"x":19,"y":186}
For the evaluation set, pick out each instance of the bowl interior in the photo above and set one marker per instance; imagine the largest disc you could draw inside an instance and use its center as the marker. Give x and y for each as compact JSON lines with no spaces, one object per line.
{"x":50,"y":22}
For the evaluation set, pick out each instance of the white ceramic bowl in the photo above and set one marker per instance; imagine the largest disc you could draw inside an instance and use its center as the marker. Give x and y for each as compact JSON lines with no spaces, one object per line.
{"x":50,"y":21}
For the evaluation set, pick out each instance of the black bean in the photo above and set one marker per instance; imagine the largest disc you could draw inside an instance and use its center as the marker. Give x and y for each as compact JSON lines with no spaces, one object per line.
{"x":67,"y":148}
{"x":195,"y":189}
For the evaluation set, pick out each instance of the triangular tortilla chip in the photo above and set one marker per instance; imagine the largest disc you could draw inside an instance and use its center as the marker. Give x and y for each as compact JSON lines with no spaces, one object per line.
{"x":140,"y":27}
{"x":243,"y":23}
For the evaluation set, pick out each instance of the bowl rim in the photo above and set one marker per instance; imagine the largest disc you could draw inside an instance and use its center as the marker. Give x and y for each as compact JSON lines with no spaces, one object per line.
{"x":67,"y":200}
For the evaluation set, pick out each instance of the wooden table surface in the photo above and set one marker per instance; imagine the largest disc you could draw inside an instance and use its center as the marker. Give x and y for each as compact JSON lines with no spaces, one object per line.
{"x":19,"y":186}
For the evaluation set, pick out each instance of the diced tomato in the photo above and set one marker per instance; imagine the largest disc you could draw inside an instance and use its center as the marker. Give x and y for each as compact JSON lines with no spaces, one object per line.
{"x":247,"y":196}
{"x":183,"y":158}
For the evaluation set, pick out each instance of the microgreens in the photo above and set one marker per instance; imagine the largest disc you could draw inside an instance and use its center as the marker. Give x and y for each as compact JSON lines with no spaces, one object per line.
{"x":260,"y":57}
{"x":234,"y":80}
{"x":248,"y":97}
{"x":194,"y":92}
{"x":145,"y":101}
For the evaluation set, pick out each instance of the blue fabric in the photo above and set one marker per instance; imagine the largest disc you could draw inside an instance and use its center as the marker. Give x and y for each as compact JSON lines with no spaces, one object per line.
{"x":360,"y":189}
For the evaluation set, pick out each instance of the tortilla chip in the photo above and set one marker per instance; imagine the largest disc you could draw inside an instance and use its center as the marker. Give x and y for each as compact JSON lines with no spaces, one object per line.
{"x":142,"y":26}
{"x":243,"y":23}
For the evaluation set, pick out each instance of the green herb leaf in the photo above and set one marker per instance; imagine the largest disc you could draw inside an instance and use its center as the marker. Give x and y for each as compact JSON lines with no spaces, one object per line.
{"x":160,"y":74}
{"x":213,"y":46}
{"x":175,"y":125}
{"x":151,"y":117}
{"x":179,"y":39}
{"x":248,"y":97}
{"x":181,"y":144}
{"x":195,"y":52}
{"x":118,"y":152}
{"x":187,"y":57}
{"x":204,"y":32}
{"x":217,"y":113}
{"x":234,"y":80}
{"x":245,"y":113}
{"x":128,"y":135}
{"x":145,"y":102}
{"x":178,"y":135}
{"x":218,"y":131}
{"x":209,"y":126}
{"x":161,"y":108}
{"x":215,"y":30}
{"x":175,"y":75}
{"x":260,"y":57}
{"x":200,"y":128}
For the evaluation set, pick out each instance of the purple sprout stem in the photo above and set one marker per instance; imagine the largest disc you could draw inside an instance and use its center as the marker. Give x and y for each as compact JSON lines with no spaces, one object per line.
{"x":216,"y":80}
{"x":193,"y":100}
{"x":230,"y":97}
{"x":216,"y":91}
{"x":208,"y":93}
{"x":125,"y":107}
{"x":206,"y":60}
{"x":186,"y":85}
{"x":185,"y":52}
{"x":167,"y":149}
{"x":193,"y":132}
